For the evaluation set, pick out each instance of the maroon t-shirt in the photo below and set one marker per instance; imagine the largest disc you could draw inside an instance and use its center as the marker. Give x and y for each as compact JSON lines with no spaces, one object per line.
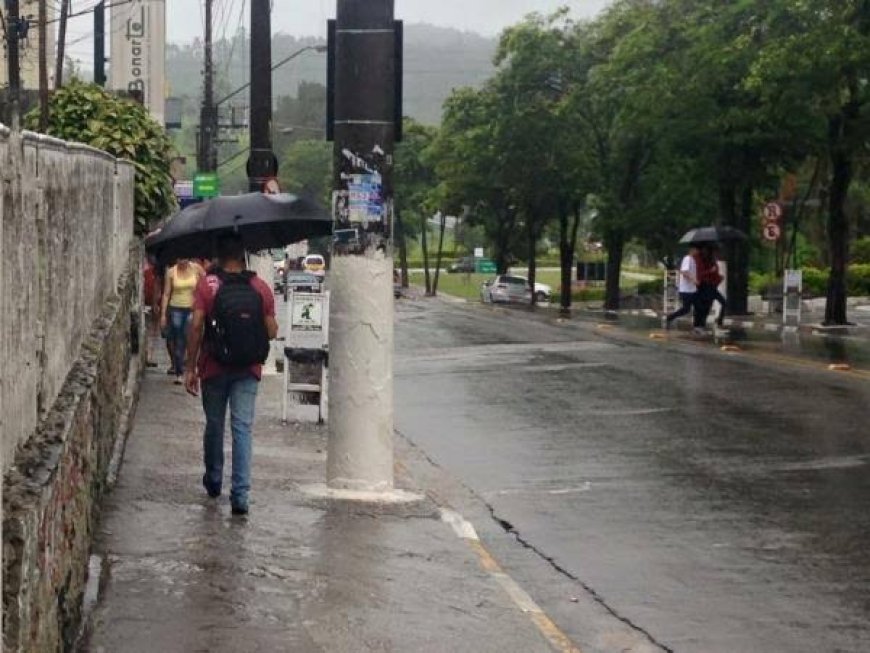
{"x":203,"y":300}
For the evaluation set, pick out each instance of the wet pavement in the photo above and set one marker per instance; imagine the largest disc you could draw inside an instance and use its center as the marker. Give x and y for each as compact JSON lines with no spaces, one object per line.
{"x":629,"y":494}
{"x":179,"y":573}
{"x":706,"y":500}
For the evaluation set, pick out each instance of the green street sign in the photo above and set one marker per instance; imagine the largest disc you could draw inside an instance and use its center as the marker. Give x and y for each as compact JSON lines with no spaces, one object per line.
{"x":484,"y":266}
{"x":206,"y":184}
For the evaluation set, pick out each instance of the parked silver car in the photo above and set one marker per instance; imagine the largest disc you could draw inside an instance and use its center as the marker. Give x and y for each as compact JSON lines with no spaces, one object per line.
{"x":512,"y":289}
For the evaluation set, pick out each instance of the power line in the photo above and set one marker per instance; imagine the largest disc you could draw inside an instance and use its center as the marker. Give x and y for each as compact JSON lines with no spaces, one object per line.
{"x":84,"y":12}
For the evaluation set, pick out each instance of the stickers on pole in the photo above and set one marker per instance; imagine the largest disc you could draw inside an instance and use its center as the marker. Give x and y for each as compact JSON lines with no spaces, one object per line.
{"x":365,"y":202}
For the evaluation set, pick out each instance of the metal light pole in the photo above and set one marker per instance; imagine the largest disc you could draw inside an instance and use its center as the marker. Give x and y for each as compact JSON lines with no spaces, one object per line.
{"x":262,"y":163}
{"x":207,"y":155}
{"x":100,"y":43}
{"x":43,"y":67}
{"x":360,"y":454}
{"x":14,"y":65}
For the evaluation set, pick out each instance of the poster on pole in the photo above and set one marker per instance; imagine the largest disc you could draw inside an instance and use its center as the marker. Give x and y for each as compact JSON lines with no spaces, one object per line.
{"x":137,"y":62}
{"x":365,"y":201}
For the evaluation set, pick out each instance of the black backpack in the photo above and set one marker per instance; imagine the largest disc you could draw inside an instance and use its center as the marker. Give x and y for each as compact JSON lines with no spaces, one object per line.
{"x":236,"y":329}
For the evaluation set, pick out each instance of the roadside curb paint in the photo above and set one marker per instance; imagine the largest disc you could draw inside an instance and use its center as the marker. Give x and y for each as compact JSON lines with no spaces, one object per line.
{"x":465,"y":531}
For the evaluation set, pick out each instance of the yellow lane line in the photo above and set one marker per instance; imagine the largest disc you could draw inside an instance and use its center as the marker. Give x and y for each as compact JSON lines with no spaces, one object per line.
{"x":551,"y":632}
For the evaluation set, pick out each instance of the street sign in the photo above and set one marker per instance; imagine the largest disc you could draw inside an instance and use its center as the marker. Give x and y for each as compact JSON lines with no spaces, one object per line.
{"x":772,"y":212}
{"x":206,"y":184}
{"x":484,"y":266}
{"x":771,"y":231}
{"x":478,"y":252}
{"x":184,"y":189}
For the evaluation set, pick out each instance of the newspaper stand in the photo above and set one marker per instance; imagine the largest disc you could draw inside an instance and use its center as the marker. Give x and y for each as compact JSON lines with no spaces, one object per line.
{"x":792,"y":287}
{"x":306,"y":342}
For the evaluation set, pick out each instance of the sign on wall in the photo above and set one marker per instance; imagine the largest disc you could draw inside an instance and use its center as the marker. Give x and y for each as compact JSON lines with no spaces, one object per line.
{"x":138,"y":52}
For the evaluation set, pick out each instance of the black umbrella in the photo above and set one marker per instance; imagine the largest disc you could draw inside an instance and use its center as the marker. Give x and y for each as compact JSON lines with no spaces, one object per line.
{"x":263,"y":222}
{"x":711,"y":235}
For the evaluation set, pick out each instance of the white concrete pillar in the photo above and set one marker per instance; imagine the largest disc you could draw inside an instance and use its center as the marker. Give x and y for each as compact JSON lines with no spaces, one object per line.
{"x":360,"y":454}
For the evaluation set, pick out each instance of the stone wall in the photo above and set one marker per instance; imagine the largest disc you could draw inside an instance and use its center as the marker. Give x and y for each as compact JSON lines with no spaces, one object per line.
{"x":70,"y":284}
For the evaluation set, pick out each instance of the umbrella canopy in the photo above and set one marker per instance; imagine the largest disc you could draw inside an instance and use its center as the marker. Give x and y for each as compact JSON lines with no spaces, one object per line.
{"x":711,"y":235}
{"x":263,"y":222}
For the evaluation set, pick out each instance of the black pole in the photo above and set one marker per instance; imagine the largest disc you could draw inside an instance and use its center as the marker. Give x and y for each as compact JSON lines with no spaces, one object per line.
{"x":61,"y":44}
{"x":363,"y":98}
{"x":364,"y":104}
{"x":43,"y":67}
{"x":207,"y":159}
{"x":13,"y":61}
{"x":100,"y":44}
{"x":262,"y":163}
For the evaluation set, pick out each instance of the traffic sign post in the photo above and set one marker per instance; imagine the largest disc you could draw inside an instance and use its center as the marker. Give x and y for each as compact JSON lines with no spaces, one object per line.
{"x":206,"y":184}
{"x":771,"y":227}
{"x":771,"y":232}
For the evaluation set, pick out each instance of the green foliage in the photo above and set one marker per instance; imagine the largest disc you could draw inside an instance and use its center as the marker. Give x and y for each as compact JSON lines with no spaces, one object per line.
{"x":815,"y":281}
{"x":858,"y":280}
{"x":652,"y":287}
{"x":306,"y":169}
{"x":861,"y":250}
{"x":85,"y":113}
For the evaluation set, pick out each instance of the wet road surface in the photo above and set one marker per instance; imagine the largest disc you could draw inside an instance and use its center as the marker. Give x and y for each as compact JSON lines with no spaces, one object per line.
{"x":711,"y":503}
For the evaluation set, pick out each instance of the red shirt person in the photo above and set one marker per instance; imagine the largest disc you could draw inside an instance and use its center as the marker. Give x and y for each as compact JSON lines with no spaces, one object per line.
{"x":223,"y":386}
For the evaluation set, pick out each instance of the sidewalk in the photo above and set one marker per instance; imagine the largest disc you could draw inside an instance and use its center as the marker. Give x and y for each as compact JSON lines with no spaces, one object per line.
{"x":179,"y":573}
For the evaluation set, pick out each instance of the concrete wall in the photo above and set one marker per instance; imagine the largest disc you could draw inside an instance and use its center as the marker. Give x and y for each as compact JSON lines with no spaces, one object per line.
{"x":66,"y":215}
{"x":70,"y":287}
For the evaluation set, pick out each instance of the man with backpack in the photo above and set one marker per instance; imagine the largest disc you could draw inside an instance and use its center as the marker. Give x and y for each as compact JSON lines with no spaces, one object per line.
{"x":232,"y":323}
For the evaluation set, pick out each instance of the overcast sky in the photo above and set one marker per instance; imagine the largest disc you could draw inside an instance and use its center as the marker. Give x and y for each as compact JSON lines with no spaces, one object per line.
{"x":308,"y":17}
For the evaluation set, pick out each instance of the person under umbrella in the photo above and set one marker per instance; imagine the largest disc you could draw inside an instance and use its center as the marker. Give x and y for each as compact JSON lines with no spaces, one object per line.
{"x":709,"y":278}
{"x":687,"y":286}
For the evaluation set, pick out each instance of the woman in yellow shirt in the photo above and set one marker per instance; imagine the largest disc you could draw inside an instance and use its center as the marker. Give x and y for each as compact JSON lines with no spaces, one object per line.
{"x":176,"y":309}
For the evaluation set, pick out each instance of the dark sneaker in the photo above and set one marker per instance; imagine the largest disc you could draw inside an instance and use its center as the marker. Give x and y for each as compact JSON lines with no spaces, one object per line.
{"x":213,"y":491}
{"x":239,"y":509}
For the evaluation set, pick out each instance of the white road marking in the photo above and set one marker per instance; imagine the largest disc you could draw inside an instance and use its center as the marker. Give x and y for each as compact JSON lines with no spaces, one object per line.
{"x":462,"y":527}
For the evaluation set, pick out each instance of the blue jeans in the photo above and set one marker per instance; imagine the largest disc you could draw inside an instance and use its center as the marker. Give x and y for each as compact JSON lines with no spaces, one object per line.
{"x":178,"y":319}
{"x":239,"y":390}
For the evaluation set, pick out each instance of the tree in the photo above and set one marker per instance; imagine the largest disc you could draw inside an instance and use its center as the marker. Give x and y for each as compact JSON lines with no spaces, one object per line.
{"x":414,"y":181}
{"x":306,"y":169}
{"x":87,"y":114}
{"x":528,"y":86}
{"x":470,"y":163}
{"x":817,"y":63}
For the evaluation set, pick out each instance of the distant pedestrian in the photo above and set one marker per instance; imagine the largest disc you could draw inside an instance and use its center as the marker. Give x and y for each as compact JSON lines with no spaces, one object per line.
{"x":176,"y":309}
{"x":232,"y":323}
{"x":687,"y":286}
{"x":709,"y":278}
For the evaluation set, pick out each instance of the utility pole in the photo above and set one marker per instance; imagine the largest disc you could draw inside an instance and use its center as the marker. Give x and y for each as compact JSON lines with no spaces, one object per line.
{"x":43,"y":68}
{"x":207,"y":159}
{"x":12,"y":56}
{"x":61,"y":43}
{"x":262,"y":163}
{"x":363,"y":124}
{"x":100,"y":43}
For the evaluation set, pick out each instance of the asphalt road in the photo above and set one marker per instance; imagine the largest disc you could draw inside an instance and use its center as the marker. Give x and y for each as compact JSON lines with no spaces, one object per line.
{"x":708,"y":503}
